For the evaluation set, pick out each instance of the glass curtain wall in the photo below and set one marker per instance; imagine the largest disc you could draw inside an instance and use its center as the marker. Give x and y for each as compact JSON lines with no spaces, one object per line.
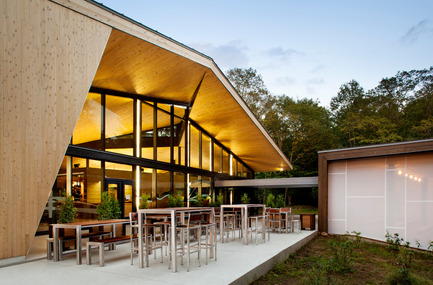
{"x":164,"y":133}
{"x":119,"y":125}
{"x":87,"y":132}
{"x":147,"y":135}
{"x":206,"y":152}
{"x":195,"y":157}
{"x":217,"y":158}
{"x":107,"y":123}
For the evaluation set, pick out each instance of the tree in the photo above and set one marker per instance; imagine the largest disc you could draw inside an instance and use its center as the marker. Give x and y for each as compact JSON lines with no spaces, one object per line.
{"x":250,"y":86}
{"x":109,"y":207}
{"x":67,"y":211}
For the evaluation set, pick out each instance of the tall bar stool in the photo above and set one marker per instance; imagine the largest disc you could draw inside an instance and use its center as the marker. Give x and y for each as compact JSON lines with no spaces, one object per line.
{"x":150,"y":236}
{"x":275,"y":219}
{"x":187,"y":246}
{"x":253,"y":226}
{"x":287,"y":221}
{"x":210,"y":230}
{"x":229,"y":226}
{"x":296,"y":226}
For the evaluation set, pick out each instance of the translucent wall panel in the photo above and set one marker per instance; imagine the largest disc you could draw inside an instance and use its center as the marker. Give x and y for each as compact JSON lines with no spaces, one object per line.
{"x":337,"y":167}
{"x":366,"y":215}
{"x":336,"y":196}
{"x":395,"y":199}
{"x":397,"y":162}
{"x":366,"y":177}
{"x":119,"y":125}
{"x":195,"y":148}
{"x":87,"y":132}
{"x":419,"y":223}
{"x":337,"y":226}
{"x":420,"y":177}
{"x":147,"y":130}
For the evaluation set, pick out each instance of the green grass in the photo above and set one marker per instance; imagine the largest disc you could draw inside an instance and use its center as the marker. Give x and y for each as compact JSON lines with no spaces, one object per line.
{"x":368,"y":263}
{"x":304,"y":209}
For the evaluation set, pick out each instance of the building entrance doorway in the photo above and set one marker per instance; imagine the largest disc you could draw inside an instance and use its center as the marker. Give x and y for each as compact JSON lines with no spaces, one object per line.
{"x":122,"y":190}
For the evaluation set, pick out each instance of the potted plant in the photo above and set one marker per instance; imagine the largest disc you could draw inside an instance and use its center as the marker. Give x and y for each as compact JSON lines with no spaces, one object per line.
{"x":270,"y":201}
{"x":109,"y":207}
{"x":279,"y":202}
{"x":245,"y":199}
{"x":144,"y":201}
{"x":67,"y":211}
{"x":175,"y":200}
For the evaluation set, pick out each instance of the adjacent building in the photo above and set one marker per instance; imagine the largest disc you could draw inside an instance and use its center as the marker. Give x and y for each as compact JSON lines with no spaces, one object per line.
{"x":378,"y":190}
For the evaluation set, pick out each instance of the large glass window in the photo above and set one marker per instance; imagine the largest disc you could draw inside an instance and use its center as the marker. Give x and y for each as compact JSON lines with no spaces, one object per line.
{"x":164,"y":133}
{"x":146,"y":184}
{"x":217,"y":158}
{"x":163,"y":186}
{"x":179,"y":183}
{"x":147,"y":130}
{"x":206,"y":189}
{"x":179,"y":141}
{"x":195,"y":148}
{"x":119,"y":125}
{"x":87,"y":132}
{"x":206,"y":153}
{"x":226,"y":162}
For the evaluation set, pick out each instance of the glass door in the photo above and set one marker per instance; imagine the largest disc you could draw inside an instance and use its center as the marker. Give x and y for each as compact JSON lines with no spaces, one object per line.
{"x":122,"y":191}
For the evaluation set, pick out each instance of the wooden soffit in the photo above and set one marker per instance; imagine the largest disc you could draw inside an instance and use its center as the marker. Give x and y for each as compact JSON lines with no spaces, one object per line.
{"x":136,"y":66}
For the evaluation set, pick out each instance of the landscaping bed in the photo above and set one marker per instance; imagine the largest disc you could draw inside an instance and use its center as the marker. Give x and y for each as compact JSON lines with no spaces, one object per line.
{"x":352,"y":260}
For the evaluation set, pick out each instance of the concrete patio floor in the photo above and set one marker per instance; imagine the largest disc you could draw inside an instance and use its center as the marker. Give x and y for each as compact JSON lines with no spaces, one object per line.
{"x":236,"y":264}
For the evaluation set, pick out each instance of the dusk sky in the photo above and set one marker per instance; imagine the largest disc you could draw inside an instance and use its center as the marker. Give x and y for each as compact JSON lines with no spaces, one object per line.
{"x":303,"y":48}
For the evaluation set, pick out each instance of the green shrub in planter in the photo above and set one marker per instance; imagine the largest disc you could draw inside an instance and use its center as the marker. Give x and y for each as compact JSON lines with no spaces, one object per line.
{"x":109,"y":207}
{"x":175,"y":201}
{"x":67,"y":211}
{"x":144,"y":202}
{"x":245,"y":199}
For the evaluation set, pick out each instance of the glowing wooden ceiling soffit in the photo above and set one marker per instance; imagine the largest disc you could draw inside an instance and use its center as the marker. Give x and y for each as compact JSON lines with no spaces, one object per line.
{"x":138,"y":60}
{"x":135,"y":66}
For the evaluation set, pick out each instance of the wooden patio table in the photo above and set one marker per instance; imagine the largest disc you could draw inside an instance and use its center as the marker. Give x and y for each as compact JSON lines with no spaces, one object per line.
{"x":79,"y":226}
{"x":244,"y":218}
{"x":173,"y":212}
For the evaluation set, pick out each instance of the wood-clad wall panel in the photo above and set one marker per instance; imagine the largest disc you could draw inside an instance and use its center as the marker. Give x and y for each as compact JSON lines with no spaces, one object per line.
{"x":49,"y":56}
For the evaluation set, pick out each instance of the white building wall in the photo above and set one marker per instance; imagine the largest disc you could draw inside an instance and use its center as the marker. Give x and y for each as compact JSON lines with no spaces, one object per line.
{"x":378,"y":195}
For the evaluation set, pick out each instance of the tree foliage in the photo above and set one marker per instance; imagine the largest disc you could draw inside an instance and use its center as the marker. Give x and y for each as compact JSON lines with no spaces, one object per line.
{"x":399,"y":108}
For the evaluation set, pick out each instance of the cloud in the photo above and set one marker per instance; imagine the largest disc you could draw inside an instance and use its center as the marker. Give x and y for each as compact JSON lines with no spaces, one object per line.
{"x":226,"y":56}
{"x":282,"y":54}
{"x":318,"y":68}
{"x":424,"y":27}
{"x":285,"y":80}
{"x":312,"y":83}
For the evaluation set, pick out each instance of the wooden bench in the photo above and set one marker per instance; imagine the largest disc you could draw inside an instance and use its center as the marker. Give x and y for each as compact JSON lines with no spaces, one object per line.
{"x":101,"y":243}
{"x":63,"y":239}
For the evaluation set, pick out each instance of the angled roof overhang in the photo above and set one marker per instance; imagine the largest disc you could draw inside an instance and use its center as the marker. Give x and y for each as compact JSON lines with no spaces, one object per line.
{"x":138,"y":60}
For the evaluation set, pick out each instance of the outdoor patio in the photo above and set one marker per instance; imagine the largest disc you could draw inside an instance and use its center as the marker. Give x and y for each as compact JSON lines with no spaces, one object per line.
{"x":236,"y":264}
